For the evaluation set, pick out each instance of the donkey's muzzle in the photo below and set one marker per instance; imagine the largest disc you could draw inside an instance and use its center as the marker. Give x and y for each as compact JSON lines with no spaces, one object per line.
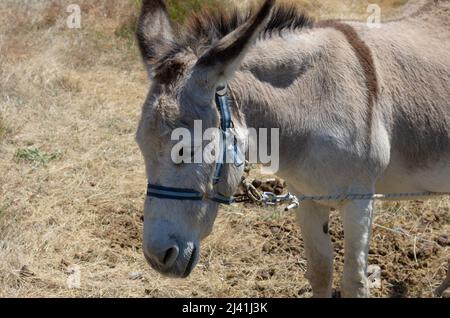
{"x":162,"y":257}
{"x":172,"y":259}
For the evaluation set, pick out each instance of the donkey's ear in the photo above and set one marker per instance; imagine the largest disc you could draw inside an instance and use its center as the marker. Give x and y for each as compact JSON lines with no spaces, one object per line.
{"x":224,"y":58}
{"x":154,"y":31}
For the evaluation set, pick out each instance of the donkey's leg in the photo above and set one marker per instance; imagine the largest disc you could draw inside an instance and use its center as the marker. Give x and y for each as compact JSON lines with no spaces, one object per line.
{"x":357,"y":217}
{"x":313,"y":220}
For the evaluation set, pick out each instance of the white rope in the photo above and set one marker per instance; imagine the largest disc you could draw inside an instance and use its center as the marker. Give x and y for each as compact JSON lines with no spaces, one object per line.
{"x":270,"y":198}
{"x":369,"y":196}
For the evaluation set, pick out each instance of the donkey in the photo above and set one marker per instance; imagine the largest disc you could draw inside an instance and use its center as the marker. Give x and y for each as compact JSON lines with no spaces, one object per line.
{"x":360,"y":110}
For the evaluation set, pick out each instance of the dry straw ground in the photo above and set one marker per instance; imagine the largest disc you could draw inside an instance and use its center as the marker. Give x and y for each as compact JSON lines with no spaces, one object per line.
{"x":72,"y":179}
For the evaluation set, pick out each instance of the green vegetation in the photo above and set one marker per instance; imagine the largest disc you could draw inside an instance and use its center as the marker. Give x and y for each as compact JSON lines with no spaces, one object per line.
{"x":180,"y":9}
{"x":127,"y":29}
{"x":35,"y":156}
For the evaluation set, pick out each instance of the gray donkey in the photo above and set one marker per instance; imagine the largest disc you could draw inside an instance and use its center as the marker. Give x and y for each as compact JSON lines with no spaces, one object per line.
{"x":359,"y":110}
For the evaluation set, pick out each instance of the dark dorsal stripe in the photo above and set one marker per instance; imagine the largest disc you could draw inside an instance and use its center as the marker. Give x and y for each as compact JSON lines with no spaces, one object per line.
{"x":365,"y":57}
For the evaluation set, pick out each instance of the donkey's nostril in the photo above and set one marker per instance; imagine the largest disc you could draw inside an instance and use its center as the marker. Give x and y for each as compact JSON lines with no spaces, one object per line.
{"x":171,"y":256}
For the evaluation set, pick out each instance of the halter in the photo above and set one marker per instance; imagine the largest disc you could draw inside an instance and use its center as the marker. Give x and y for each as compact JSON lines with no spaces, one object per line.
{"x":169,"y":193}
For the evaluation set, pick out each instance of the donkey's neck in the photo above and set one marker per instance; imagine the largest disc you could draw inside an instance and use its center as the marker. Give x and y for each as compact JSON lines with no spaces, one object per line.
{"x":261,"y":105}
{"x":300,"y":83}
{"x":281,"y":79}
{"x":294,"y":83}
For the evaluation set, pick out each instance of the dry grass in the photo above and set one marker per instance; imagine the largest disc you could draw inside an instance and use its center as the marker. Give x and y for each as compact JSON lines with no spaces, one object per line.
{"x":5,"y":129}
{"x":77,"y":94}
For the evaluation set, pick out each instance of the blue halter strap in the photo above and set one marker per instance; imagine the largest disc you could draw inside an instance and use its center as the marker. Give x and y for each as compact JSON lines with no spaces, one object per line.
{"x":161,"y":192}
{"x":225,"y":124}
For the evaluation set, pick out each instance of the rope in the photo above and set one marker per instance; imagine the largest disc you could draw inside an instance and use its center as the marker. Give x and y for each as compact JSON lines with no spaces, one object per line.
{"x":268,"y":198}
{"x":370,"y":196}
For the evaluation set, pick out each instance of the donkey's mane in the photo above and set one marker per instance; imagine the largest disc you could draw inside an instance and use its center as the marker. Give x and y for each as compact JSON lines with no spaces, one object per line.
{"x":209,"y":25}
{"x":202,"y":29}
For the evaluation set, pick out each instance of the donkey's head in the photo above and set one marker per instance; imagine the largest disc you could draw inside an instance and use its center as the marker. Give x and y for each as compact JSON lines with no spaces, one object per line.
{"x":184,"y":82}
